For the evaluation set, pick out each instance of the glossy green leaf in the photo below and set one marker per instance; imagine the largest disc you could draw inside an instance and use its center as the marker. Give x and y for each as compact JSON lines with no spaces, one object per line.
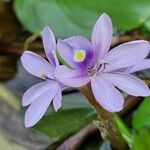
{"x":142,"y":115}
{"x":60,"y":124}
{"x":74,"y":115}
{"x":141,"y":139}
{"x":68,"y":17}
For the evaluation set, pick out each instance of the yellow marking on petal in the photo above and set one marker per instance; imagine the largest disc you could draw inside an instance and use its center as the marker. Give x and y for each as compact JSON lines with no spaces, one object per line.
{"x":79,"y":55}
{"x":43,"y":75}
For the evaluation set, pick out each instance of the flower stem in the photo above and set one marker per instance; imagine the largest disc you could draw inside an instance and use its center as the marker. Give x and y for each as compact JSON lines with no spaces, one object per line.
{"x":106,"y":123}
{"x":29,"y":40}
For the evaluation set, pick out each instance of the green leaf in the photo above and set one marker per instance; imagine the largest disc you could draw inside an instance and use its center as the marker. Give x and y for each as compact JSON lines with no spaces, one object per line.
{"x":73,"y":116}
{"x":144,"y":31}
{"x":123,"y":129}
{"x":60,"y":124}
{"x":147,"y":24}
{"x":68,"y":17}
{"x":141,"y":139}
{"x":142,"y":115}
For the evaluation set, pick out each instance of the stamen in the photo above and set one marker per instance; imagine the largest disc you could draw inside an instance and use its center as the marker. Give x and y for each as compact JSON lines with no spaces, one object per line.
{"x":79,"y":55}
{"x":98,"y":68}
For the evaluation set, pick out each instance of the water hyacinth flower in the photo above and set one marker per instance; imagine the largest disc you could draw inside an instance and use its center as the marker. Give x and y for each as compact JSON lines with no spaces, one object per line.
{"x":41,"y":95}
{"x":107,"y":71}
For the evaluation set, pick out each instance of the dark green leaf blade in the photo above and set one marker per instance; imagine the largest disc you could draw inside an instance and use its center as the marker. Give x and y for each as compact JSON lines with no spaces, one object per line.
{"x":141,"y":139}
{"x":142,"y":116}
{"x":60,"y":124}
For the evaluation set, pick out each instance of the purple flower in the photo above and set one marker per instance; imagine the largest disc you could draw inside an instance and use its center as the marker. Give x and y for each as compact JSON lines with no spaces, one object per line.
{"x":41,"y":95}
{"x":107,"y":71}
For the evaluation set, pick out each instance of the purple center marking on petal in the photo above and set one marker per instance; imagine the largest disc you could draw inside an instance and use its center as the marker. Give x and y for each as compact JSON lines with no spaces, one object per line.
{"x":82,"y":58}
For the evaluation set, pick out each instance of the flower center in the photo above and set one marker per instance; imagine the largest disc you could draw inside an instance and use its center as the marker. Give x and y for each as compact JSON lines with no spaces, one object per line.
{"x":98,"y":68}
{"x":79,"y":55}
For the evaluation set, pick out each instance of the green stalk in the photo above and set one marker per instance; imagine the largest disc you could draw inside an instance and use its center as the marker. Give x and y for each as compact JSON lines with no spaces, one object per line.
{"x":106,"y":123}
